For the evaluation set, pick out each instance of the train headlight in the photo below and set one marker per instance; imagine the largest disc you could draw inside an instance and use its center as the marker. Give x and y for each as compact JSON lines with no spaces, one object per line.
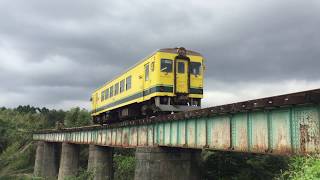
{"x":182,"y":51}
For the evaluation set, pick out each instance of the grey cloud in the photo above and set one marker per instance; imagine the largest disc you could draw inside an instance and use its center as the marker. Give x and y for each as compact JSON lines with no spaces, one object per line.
{"x":279,"y":43}
{"x":68,"y":48}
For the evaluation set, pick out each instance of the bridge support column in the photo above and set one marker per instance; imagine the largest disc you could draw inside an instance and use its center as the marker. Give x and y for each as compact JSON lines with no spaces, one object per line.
{"x":91,"y":157}
{"x":101,"y":162}
{"x":38,"y":164}
{"x":47,"y":160}
{"x":167,"y":163}
{"x":69,"y":160}
{"x":50,"y":160}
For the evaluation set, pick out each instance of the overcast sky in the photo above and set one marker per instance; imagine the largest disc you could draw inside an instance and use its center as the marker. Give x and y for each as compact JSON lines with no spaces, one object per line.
{"x":55,"y":53}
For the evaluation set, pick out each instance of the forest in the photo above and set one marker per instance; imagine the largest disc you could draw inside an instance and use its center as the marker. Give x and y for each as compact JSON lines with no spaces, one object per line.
{"x":17,"y":151}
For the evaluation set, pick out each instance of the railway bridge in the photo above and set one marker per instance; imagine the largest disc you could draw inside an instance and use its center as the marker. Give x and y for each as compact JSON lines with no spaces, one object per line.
{"x":168,"y":146}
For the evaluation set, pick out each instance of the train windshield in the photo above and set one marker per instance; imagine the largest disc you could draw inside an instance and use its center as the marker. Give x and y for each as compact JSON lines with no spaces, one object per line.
{"x":195,"y":68}
{"x":166,"y":65}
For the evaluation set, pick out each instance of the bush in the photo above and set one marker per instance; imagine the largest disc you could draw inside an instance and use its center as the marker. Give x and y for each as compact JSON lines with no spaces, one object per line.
{"x":124,"y":167}
{"x":232,"y":165}
{"x":307,"y":168}
{"x":17,"y":159}
{"x":82,"y":175}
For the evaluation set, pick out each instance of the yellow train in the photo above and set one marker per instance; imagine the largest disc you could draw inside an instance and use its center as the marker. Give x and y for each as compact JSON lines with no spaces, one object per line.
{"x":169,"y":80}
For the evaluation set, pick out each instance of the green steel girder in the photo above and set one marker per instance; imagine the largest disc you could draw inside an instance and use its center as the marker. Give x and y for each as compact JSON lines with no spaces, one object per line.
{"x":281,"y":130}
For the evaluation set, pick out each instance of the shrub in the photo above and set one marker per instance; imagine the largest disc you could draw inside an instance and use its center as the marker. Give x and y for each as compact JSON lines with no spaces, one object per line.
{"x":82,"y":175}
{"x":124,"y":167}
{"x":307,"y":168}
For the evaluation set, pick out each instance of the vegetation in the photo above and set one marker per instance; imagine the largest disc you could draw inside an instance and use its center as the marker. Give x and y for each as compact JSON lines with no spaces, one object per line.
{"x":83,"y":175}
{"x":307,"y":168}
{"x":77,"y":117}
{"x":16,"y":146}
{"x":124,"y":164}
{"x":17,"y":152}
{"x":238,"y":166}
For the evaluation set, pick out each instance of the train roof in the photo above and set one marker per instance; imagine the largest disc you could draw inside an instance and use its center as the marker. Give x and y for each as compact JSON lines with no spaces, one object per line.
{"x":174,"y":51}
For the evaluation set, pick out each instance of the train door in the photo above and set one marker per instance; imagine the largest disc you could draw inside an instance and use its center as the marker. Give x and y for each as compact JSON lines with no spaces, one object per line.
{"x":182,"y":76}
{"x":146,"y":80}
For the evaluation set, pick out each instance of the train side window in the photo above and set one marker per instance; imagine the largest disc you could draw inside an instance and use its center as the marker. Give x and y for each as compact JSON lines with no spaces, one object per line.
{"x":116,"y":89}
{"x":195,"y":68}
{"x":102,"y":96}
{"x":121,"y":86}
{"x":146,"y":72}
{"x":128,"y":83}
{"x":107,"y":93}
{"x":152,"y":66}
{"x":180,"y":67}
{"x":111,"y":91}
{"x":166,"y":65}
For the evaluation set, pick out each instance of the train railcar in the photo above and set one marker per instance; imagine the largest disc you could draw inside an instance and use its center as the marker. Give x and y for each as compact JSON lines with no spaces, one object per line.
{"x":169,"y":80}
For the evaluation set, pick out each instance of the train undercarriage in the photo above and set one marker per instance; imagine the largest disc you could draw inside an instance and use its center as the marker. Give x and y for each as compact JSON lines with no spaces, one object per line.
{"x":153,"y":107}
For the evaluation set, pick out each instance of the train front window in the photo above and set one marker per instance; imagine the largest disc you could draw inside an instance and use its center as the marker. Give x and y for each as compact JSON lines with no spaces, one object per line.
{"x":195,"y":68}
{"x":166,"y":65}
{"x":180,"y":67}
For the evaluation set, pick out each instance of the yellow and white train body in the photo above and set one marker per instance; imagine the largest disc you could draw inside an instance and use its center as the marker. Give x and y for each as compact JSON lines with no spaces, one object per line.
{"x":170,"y":80}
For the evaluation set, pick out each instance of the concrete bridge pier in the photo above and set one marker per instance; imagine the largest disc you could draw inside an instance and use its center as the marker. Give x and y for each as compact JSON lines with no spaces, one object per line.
{"x":69,"y":161}
{"x":167,"y":163}
{"x":47,"y":160}
{"x":39,"y":159}
{"x":101,"y":162}
{"x":91,"y":157}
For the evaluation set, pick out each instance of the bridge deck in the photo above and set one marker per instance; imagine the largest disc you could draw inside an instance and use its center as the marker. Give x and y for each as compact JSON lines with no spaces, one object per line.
{"x":286,"y":124}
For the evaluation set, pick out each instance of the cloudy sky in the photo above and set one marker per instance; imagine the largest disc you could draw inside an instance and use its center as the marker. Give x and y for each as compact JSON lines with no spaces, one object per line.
{"x":54,"y":53}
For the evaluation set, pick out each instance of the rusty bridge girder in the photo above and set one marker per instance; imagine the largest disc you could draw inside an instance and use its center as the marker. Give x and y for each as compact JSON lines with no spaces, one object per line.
{"x":286,"y":124}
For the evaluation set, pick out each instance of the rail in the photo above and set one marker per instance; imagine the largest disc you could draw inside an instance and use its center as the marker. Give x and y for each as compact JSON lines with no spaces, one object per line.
{"x":285,"y":124}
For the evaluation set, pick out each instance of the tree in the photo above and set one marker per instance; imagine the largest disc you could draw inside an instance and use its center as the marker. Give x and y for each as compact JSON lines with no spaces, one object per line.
{"x":77,"y":117}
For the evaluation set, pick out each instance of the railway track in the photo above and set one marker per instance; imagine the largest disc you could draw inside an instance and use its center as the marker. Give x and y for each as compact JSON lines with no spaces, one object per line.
{"x":286,"y":100}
